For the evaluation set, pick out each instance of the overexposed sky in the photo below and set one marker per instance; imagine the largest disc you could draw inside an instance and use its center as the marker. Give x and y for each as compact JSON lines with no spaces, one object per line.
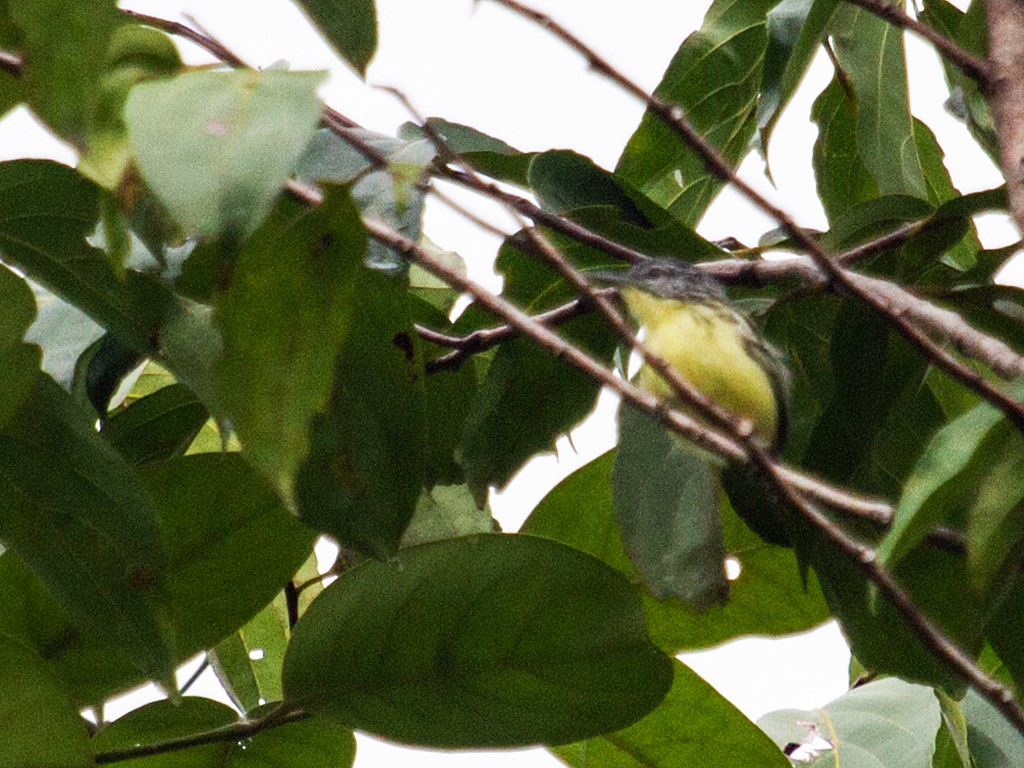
{"x":478,"y":64}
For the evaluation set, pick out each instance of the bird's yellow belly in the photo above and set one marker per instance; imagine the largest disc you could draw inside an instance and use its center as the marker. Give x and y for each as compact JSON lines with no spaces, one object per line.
{"x":707,"y":348}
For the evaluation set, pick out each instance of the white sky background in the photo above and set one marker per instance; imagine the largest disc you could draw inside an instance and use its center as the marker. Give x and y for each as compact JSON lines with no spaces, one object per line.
{"x":487,"y":68}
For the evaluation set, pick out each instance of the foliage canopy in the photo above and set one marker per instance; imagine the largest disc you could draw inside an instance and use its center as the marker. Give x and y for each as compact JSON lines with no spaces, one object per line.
{"x":223,"y":334}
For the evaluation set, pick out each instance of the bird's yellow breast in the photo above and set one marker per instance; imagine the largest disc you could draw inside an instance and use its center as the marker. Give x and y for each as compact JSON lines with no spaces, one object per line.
{"x":706,"y":344}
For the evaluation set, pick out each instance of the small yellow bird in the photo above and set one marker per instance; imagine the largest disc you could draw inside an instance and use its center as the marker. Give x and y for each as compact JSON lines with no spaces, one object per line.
{"x":688,"y":321}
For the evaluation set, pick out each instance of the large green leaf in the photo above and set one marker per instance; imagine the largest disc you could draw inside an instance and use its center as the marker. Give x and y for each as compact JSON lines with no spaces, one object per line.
{"x":666,"y":505}
{"x":66,"y":48}
{"x":293,"y":745}
{"x":79,"y":516}
{"x":881,"y":724}
{"x":217,"y":146}
{"x":994,"y":742}
{"x":486,"y":640}
{"x":39,"y":724}
{"x":365,"y":468}
{"x":871,"y":53}
{"x":46,"y":212}
{"x":18,"y":361}
{"x":795,"y":30}
{"x":350,"y":26}
{"x":231,"y":544}
{"x":283,"y":320}
{"x":693,"y":725}
{"x":768,"y":598}
{"x":843,"y":180}
{"x":727,"y":51}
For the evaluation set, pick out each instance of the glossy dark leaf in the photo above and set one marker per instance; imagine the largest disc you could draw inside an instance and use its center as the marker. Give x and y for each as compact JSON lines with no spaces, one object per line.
{"x":768,"y":598}
{"x":666,"y":496}
{"x":693,"y":725}
{"x":486,"y":640}
{"x":350,"y":26}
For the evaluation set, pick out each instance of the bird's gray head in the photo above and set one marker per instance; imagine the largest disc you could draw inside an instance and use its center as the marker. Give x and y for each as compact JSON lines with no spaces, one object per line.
{"x":667,"y":278}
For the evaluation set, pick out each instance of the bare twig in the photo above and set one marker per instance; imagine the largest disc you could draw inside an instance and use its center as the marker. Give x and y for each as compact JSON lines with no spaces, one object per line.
{"x":204,"y":41}
{"x":673,"y":117}
{"x":971,"y":65}
{"x":11,"y":63}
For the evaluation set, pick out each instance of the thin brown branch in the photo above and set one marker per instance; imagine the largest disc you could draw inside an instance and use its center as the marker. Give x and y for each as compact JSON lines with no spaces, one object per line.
{"x":928,"y":632}
{"x":234,"y":732}
{"x":1005,"y":94}
{"x":11,"y":63}
{"x":485,"y":338}
{"x":204,"y":41}
{"x":673,"y":117}
{"x":971,"y":65}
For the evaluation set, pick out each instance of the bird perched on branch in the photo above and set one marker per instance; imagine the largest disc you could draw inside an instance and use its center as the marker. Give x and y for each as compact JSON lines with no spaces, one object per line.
{"x":689,"y":322}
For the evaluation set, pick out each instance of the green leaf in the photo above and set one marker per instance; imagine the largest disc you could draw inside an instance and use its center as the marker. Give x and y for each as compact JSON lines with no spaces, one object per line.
{"x":393,"y":194}
{"x":665,"y":495}
{"x":945,"y":478}
{"x":231,"y":544}
{"x":39,"y":724}
{"x":486,"y":154}
{"x":43,"y":233}
{"x":693,"y":725}
{"x":480,"y":641}
{"x":159,"y":426}
{"x":565,"y":181}
{"x":445,"y":512}
{"x":248,"y":663}
{"x":795,"y":30}
{"x":871,"y":53}
{"x":529,"y":397}
{"x":65,"y":49}
{"x":164,"y":720}
{"x":283,"y":319}
{"x":350,"y":26}
{"x":18,"y":361}
{"x":314,"y":741}
{"x":300,"y":744}
{"x":727,"y":51}
{"x":884,"y":723}
{"x":365,"y":468}
{"x":994,"y":741}
{"x":842,"y":177}
{"x":217,"y":146}
{"x":85,"y":525}
{"x":768,"y":598}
